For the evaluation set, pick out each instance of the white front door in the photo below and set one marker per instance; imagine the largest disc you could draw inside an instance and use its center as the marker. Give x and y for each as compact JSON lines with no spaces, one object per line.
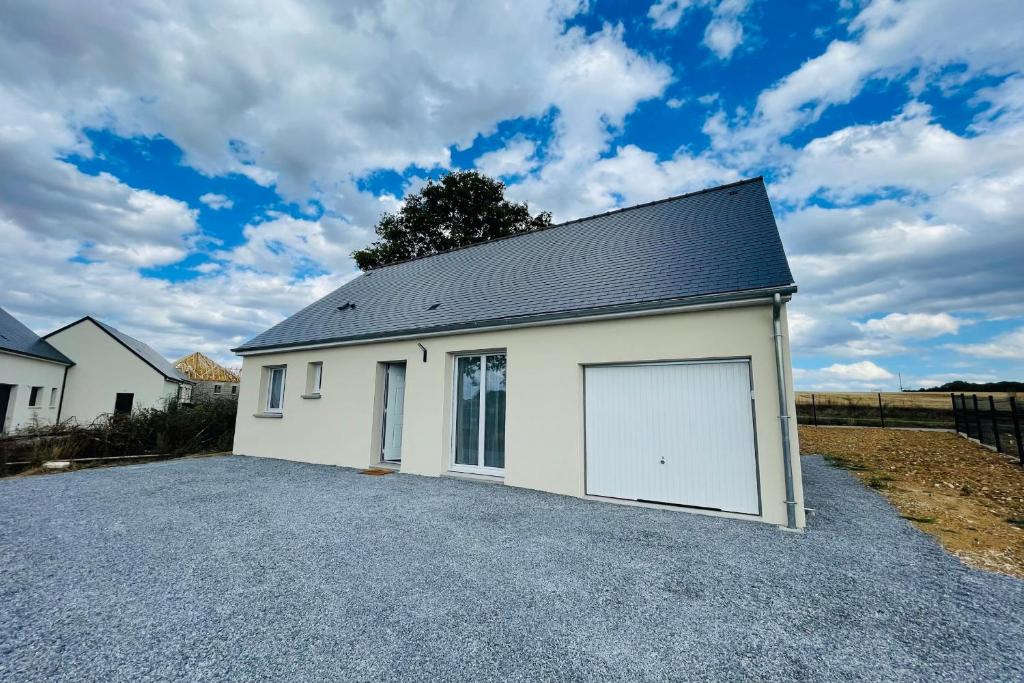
{"x":394,"y":412}
{"x":679,"y":433}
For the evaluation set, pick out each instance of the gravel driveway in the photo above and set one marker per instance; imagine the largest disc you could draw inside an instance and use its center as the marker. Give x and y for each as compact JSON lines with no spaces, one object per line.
{"x":244,"y":568}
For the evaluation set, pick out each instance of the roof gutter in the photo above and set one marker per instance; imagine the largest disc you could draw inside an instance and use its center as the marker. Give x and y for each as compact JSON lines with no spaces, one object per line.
{"x":749,"y":297}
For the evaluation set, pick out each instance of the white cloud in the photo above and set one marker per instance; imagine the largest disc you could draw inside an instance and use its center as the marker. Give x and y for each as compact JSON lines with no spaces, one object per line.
{"x":514,"y":159}
{"x":1008,"y":345}
{"x":910,"y":151}
{"x":53,"y":199}
{"x":630,"y":176}
{"x":376,"y":88}
{"x":674,"y":103}
{"x":666,"y":14}
{"x":912,"y":325}
{"x":860,"y":376}
{"x":216,"y":201}
{"x":864,"y":371}
{"x":724,"y":32}
{"x":887,"y":40}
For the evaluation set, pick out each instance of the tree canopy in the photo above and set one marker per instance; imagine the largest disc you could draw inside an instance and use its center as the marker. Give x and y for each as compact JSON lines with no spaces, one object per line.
{"x":462,"y":208}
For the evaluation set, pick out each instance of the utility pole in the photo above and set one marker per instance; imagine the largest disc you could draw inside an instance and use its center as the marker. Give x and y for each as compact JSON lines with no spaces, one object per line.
{"x":900,"y":375}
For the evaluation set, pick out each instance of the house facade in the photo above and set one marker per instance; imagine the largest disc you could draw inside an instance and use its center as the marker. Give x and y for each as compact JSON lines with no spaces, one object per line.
{"x":112,"y":372}
{"x":636,"y":356}
{"x":32,"y":376}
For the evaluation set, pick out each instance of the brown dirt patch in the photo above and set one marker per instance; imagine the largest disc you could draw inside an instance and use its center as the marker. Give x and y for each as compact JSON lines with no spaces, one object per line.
{"x":969,"y":498}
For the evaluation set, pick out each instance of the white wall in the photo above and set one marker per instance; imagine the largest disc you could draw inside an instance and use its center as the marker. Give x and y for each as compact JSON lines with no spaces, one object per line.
{"x":544,"y":418}
{"x":25,"y":373}
{"x":103,"y":368}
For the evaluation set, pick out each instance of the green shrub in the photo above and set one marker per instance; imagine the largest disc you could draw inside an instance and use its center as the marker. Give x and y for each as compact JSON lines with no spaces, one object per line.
{"x":175,"y":430}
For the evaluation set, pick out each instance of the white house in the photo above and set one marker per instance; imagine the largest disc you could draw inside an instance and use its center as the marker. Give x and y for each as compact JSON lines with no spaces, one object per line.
{"x":112,"y":372}
{"x":639,"y":355}
{"x":32,"y":375}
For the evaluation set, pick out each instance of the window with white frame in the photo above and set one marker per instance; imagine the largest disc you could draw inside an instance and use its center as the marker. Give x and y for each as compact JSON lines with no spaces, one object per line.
{"x":275,"y":389}
{"x":34,"y":397}
{"x":53,"y":397}
{"x":217,"y":388}
{"x":234,"y":389}
{"x":314,"y":378}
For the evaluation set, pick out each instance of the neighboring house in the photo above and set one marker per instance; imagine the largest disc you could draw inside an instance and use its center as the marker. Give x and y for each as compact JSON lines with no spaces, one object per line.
{"x":640,"y":354}
{"x":32,"y":375}
{"x":112,"y":372}
{"x":211,"y":379}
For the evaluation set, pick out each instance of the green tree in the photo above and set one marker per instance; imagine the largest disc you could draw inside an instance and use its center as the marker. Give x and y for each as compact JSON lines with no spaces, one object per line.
{"x":462,"y":208}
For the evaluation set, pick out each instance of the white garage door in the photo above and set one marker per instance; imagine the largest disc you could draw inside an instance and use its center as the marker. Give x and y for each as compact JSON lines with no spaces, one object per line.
{"x":679,"y":433}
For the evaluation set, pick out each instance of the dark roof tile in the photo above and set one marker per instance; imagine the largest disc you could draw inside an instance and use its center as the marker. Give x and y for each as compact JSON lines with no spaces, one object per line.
{"x":17,"y":338}
{"x":715,"y":241}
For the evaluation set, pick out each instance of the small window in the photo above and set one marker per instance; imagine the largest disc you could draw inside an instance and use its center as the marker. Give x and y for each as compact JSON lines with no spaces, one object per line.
{"x":275,"y":389}
{"x":123,"y":404}
{"x":216,"y":388}
{"x":314,"y":377}
{"x":234,"y":389}
{"x":34,"y":397}
{"x":53,"y":397}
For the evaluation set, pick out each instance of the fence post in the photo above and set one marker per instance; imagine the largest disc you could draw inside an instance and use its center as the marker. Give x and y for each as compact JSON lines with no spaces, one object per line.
{"x":814,"y":411}
{"x":1016,"y":429}
{"x":995,"y":422}
{"x":964,"y":413}
{"x":977,"y":417}
{"x":956,"y":415}
{"x":881,"y":414}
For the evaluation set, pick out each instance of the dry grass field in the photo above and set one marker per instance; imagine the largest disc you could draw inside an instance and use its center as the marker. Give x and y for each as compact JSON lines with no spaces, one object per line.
{"x":969,"y":498}
{"x":909,"y":399}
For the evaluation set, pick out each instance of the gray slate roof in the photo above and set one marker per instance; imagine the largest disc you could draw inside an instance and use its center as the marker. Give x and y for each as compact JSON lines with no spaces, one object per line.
{"x":17,"y":338}
{"x":713,"y":242}
{"x":146,"y":353}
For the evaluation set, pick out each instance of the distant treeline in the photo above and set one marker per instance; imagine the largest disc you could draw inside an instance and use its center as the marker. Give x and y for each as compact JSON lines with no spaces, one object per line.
{"x":961,"y":386}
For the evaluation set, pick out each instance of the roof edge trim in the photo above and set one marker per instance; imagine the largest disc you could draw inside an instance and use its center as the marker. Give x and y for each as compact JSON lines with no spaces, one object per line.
{"x":34,"y":356}
{"x":176,"y":380}
{"x":722,"y":300}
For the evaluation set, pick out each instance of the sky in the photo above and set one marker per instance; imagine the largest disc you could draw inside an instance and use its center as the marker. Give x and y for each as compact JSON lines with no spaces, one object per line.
{"x":195,"y":172}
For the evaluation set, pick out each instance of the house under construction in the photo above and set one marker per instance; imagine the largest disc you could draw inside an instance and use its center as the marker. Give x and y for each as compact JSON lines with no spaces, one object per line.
{"x":212,"y":380}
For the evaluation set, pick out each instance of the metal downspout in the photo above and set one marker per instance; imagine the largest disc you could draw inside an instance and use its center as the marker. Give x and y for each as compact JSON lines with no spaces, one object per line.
{"x":63,"y":387}
{"x":787,"y":454}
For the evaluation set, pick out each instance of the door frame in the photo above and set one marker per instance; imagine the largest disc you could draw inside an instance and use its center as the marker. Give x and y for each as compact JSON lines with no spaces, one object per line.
{"x":682,"y":361}
{"x":5,"y":405}
{"x":384,"y":411}
{"x":474,"y":469}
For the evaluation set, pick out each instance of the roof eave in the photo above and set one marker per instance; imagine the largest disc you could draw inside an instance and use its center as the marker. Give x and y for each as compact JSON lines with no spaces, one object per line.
{"x":36,"y":356}
{"x":708,"y":300}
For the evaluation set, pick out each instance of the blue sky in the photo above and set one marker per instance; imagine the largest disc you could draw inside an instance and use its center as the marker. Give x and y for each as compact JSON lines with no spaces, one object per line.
{"x":195,"y":172}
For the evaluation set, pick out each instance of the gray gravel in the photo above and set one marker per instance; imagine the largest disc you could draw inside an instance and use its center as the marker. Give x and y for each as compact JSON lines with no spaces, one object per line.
{"x":264,"y":570}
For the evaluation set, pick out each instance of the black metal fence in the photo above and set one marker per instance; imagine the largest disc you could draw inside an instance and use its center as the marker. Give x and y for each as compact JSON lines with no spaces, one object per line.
{"x":875,"y":410}
{"x":995,"y":422}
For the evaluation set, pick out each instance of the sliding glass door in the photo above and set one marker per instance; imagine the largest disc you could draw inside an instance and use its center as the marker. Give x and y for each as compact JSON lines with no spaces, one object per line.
{"x":479,"y":430}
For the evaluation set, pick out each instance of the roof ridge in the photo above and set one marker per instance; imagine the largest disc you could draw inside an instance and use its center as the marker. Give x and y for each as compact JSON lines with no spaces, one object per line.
{"x":573,"y":221}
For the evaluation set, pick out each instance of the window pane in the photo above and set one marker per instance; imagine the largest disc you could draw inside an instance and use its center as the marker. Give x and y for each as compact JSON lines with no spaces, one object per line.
{"x":494,"y":412}
{"x":318,"y":370}
{"x":467,"y":410}
{"x":276,"y":384}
